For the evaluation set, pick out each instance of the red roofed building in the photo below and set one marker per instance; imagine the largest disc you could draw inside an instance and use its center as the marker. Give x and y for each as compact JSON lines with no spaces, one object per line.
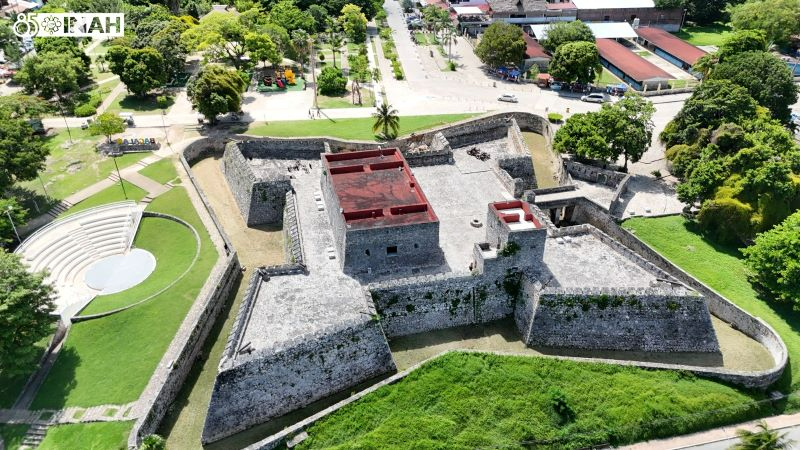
{"x":535,"y":53}
{"x":638,"y":72}
{"x":673,"y":49}
{"x":379,"y":214}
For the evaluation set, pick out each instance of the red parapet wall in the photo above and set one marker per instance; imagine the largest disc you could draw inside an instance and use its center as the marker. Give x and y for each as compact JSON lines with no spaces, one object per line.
{"x":499,"y":207}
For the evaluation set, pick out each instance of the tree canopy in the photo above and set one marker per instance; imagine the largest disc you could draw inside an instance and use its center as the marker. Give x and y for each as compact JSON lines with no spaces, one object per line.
{"x":741,"y":41}
{"x":22,"y":155}
{"x":502,"y":44}
{"x":559,"y":33}
{"x":262,"y":48}
{"x":331,"y":81}
{"x":354,"y":23}
{"x":142,"y":70}
{"x":50,"y":74}
{"x":779,"y":19}
{"x":221,"y":35}
{"x":773,"y":261}
{"x":576,"y":61}
{"x":25,"y":305}
{"x":286,"y":14}
{"x":216,"y":90}
{"x":107,"y":124}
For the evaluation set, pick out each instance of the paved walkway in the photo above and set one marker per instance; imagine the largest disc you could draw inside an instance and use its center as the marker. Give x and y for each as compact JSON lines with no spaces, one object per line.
{"x":73,"y":414}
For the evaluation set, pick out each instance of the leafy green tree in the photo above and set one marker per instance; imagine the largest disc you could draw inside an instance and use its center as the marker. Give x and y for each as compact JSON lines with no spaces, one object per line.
{"x":559,"y":33}
{"x":706,"y":63}
{"x":142,"y":70}
{"x":22,"y":106}
{"x":216,"y":90}
{"x":354,"y":23}
{"x":107,"y":124}
{"x":779,"y":19}
{"x":26,"y":301}
{"x":628,"y":126}
{"x":153,"y":442}
{"x":407,"y":5}
{"x":196,"y":8}
{"x":743,"y":41}
{"x":582,"y":136}
{"x":262,"y":48}
{"x":9,"y":43}
{"x":67,"y":47}
{"x":279,"y":36}
{"x":18,"y":214}
{"x":49,"y":74}
{"x":502,"y":44}
{"x":576,"y":61}
{"x":319,"y":14}
{"x":22,"y":155}
{"x":336,"y":41}
{"x":286,"y":14}
{"x":773,"y":259}
{"x":331,"y":81}
{"x":300,"y":46}
{"x":670,"y":4}
{"x":763,"y":439}
{"x":167,"y":42}
{"x":706,"y":12}
{"x":221,"y":35}
{"x":768,"y":80}
{"x":387,"y":121}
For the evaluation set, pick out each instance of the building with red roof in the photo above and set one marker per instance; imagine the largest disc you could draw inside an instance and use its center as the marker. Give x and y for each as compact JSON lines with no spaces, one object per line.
{"x":379,"y":214}
{"x":668,"y":46}
{"x":638,"y":72}
{"x":535,"y":53}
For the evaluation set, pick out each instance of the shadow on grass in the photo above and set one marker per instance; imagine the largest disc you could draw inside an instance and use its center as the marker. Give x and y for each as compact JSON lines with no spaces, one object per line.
{"x":55,"y":389}
{"x":147,"y":103}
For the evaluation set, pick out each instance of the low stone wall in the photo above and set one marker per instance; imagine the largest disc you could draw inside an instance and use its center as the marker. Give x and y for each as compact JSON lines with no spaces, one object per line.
{"x":418,"y":304}
{"x":291,"y":226}
{"x":718,"y":305}
{"x":651,"y":320}
{"x":168,"y":379}
{"x":616,"y":209}
{"x":300,"y":373}
{"x":594,"y":174}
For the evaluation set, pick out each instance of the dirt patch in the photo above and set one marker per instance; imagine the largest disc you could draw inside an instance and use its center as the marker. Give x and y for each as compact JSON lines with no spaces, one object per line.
{"x":545,"y":163}
{"x":74,"y":166}
{"x":257,"y":246}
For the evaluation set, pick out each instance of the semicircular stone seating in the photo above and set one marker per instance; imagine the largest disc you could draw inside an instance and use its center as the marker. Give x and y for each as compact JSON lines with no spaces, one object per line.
{"x":67,"y":247}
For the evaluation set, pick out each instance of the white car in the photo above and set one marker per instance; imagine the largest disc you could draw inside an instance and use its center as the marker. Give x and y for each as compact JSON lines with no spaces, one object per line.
{"x":597,"y":97}
{"x":511,"y":98}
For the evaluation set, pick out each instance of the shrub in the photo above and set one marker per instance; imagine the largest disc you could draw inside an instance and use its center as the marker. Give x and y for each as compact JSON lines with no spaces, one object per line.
{"x":85,"y":110}
{"x":162,"y":101}
{"x":451,"y":65}
{"x":385,"y":34}
{"x":331,"y":81}
{"x":656,"y":173}
{"x":773,"y":261}
{"x":244,"y":76}
{"x":561,"y":407}
{"x":554,"y":117}
{"x":397,"y":69}
{"x":726,"y":220}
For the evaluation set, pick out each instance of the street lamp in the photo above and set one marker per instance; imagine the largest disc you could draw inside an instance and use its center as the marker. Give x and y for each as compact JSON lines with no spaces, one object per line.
{"x":44,"y":188}
{"x":164,"y":124}
{"x":65,"y":119}
{"x":8,"y":213}
{"x":119,"y":175}
{"x":313,"y":71}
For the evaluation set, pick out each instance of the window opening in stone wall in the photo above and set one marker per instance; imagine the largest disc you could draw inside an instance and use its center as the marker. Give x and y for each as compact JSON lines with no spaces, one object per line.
{"x":366,"y":252}
{"x":391,"y":250}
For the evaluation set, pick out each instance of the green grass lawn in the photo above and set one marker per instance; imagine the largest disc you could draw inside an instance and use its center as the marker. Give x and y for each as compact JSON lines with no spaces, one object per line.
{"x":88,"y":436}
{"x":345,"y":101}
{"x":705,"y":35}
{"x":110,"y":194}
{"x":110,"y":360}
{"x":360,"y":128}
{"x":11,"y":386}
{"x":173,"y":246}
{"x":721,"y":268}
{"x":467,"y":401}
{"x":69,"y":169}
{"x":13,"y":434}
{"x":162,"y":171}
{"x":132,"y":104}
{"x":606,"y":77}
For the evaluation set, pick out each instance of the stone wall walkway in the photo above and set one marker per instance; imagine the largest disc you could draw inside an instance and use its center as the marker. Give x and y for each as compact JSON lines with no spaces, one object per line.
{"x":73,"y":414}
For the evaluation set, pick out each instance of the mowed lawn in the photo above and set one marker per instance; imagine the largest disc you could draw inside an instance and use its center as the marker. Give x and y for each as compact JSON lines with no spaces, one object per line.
{"x":721,"y":268}
{"x":356,"y":129}
{"x":111,"y":194}
{"x":705,"y":35}
{"x":162,"y":171}
{"x":88,"y":436}
{"x":472,"y":400}
{"x":110,"y":360}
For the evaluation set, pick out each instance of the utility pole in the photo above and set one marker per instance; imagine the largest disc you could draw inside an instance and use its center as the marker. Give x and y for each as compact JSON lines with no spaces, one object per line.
{"x":313,"y":71}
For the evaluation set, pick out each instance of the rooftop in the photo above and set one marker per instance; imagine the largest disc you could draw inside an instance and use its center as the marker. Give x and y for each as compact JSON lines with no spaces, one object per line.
{"x":516,"y":215}
{"x":601,"y":30}
{"x":376,"y":188}
{"x":517,"y":6}
{"x":613,"y":4}
{"x":533,"y":49}
{"x":561,"y":5}
{"x":632,"y":64}
{"x":675,"y":46}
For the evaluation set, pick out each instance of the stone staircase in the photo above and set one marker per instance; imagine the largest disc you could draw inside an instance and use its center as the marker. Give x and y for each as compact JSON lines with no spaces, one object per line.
{"x":59,"y":208}
{"x":35,"y":434}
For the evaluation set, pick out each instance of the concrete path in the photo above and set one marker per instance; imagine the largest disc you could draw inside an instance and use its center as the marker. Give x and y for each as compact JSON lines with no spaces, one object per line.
{"x":722,"y":438}
{"x":73,"y":414}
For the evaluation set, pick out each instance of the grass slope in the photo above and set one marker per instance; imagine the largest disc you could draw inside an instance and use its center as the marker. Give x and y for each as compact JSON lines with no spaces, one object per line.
{"x":88,"y":436}
{"x":358,"y":129}
{"x":13,"y":435}
{"x":467,"y":401}
{"x":705,"y":35}
{"x":172,"y":244}
{"x":110,"y":194}
{"x":11,"y":386}
{"x":161,"y":171}
{"x":110,"y":360}
{"x":721,"y":268}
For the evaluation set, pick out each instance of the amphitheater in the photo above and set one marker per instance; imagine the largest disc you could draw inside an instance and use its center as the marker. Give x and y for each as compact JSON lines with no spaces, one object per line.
{"x":443,"y":229}
{"x":88,"y":254}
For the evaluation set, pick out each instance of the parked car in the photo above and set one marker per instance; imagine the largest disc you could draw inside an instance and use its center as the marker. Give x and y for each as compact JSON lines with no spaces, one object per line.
{"x":596,"y":97}
{"x":127,"y":117}
{"x":556,"y":85}
{"x":511,"y":98}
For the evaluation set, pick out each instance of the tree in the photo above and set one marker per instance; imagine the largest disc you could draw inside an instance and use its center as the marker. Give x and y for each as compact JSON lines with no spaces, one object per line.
{"x":360,"y":73}
{"x":167,"y":42}
{"x":407,"y":5}
{"x":49,"y":74}
{"x":286,"y":14}
{"x":628,"y":126}
{"x":300,"y":45}
{"x":196,"y":8}
{"x":107,"y":124}
{"x":22,"y":106}
{"x":772,"y":261}
{"x":743,"y":41}
{"x":18,"y":214}
{"x":559,"y":33}
{"x":502,"y":44}
{"x":336,"y":42}
{"x":706,"y":11}
{"x":26,"y":301}
{"x":221,"y":35}
{"x":581,"y":136}
{"x":319,"y":14}
{"x":779,"y":19}
{"x":22,"y":155}
{"x":763,"y":439}
{"x":331,"y":81}
{"x":768,"y":80}
{"x":262,"y":48}
{"x":216,"y":90}
{"x":153,"y":442}
{"x":386,"y":120}
{"x":9,"y":43}
{"x":142,"y":70}
{"x":576,"y":61}
{"x":706,"y":63}
{"x":67,"y":47}
{"x":354,"y":23}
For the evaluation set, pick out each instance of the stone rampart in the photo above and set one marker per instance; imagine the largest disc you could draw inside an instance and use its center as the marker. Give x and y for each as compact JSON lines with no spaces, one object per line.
{"x":594,"y":174}
{"x":273,"y":382}
{"x":651,"y":319}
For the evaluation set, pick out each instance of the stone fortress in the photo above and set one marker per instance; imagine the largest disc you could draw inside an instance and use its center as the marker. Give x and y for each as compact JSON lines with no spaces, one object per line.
{"x":428,"y":232}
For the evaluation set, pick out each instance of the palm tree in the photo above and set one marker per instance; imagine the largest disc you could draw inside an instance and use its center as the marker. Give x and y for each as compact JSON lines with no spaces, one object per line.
{"x":153,"y":442}
{"x":386,"y":119}
{"x":337,"y":41}
{"x":763,"y":439}
{"x":705,"y":64}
